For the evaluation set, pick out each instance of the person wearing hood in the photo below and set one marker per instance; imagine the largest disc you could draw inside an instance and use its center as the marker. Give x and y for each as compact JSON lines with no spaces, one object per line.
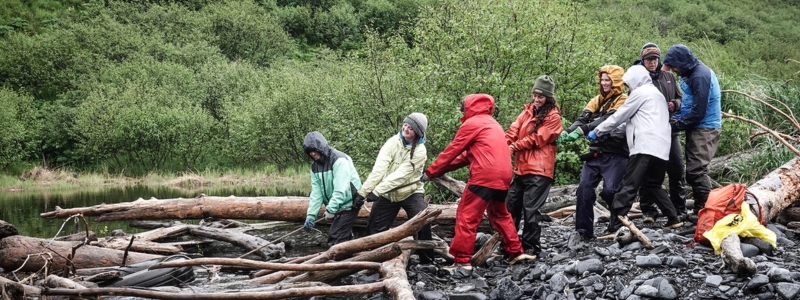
{"x":646,"y":117}
{"x":607,"y":157}
{"x":700,"y":117}
{"x":394,"y":181}
{"x":334,"y":182}
{"x":531,"y":138}
{"x":650,"y":58}
{"x":479,"y":143}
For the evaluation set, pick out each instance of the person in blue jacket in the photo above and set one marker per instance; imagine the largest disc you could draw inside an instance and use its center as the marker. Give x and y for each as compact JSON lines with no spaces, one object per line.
{"x":700,"y":117}
{"x":334,"y":182}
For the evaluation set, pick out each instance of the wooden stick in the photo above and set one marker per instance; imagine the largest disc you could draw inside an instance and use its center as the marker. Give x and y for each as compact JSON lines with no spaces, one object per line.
{"x":281,"y":294}
{"x":765,"y":128}
{"x":54,"y":281}
{"x":483,"y":254}
{"x":636,"y":232}
{"x":266,"y":265}
{"x":734,"y":259}
{"x":395,"y":278}
{"x":271,"y":242}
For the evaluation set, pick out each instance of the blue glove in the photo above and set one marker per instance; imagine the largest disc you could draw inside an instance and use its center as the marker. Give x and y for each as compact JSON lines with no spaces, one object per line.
{"x":309,"y":224}
{"x":592,"y":136}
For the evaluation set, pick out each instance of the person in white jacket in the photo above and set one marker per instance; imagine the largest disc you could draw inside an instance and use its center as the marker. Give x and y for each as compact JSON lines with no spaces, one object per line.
{"x":394,"y":181}
{"x":646,"y":118}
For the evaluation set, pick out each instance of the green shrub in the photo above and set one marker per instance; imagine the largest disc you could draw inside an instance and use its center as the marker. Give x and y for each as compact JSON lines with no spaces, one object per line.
{"x":19,"y":128}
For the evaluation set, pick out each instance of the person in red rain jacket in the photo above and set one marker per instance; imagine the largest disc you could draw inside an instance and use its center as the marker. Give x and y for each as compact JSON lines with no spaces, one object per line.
{"x":480,"y":143}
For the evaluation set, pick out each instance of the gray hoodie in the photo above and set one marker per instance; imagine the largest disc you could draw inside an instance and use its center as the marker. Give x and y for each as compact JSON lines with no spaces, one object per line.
{"x":646,"y":114}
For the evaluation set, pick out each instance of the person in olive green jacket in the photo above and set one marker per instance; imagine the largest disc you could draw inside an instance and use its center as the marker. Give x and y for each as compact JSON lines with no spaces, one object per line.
{"x":394,"y":181}
{"x":334,"y":182}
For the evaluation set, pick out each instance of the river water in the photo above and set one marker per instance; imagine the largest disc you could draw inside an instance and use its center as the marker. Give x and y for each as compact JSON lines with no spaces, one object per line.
{"x":23,"y":208}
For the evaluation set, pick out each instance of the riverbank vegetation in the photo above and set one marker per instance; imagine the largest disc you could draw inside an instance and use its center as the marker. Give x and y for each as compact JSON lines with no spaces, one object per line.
{"x":136,"y":88}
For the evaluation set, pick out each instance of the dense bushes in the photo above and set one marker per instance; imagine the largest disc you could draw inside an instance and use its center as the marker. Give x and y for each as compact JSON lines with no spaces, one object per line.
{"x":145,"y":85}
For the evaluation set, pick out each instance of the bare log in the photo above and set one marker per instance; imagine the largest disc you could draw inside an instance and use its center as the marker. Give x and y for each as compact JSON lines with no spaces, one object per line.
{"x":53,"y":281}
{"x":296,"y":260}
{"x":249,"y":242}
{"x":378,"y":255}
{"x":453,"y":185}
{"x":779,"y":189}
{"x":395,"y":278}
{"x":16,"y":290}
{"x":562,"y":212}
{"x":78,"y":237}
{"x":7,"y":229}
{"x":280,"y":294}
{"x":16,"y":250}
{"x":486,"y":250}
{"x":636,"y":232}
{"x":418,"y":244}
{"x":361,"y":244}
{"x":122,"y":243}
{"x":266,"y":265}
{"x":733,"y":258}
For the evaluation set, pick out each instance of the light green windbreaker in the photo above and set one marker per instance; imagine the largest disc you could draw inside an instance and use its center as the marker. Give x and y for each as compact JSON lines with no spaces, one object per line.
{"x":334,"y":179}
{"x":394,"y":168}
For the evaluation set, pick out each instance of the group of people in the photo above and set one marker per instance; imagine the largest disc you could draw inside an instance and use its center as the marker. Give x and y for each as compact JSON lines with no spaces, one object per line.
{"x":634,"y":144}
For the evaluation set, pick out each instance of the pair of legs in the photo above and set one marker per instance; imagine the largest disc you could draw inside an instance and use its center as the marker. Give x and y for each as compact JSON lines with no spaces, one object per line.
{"x":525,"y":196}
{"x":475,"y":200}
{"x":677,"y":181}
{"x":342,"y":227}
{"x":610,"y":168}
{"x":643,"y":175}
{"x":701,"y":145}
{"x":384,"y":212}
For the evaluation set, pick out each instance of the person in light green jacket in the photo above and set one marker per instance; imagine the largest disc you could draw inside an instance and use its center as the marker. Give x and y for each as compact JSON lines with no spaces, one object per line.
{"x":394,"y":181}
{"x":334,"y":183}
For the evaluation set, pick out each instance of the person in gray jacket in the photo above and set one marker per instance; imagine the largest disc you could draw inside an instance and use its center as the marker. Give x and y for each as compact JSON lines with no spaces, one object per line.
{"x":647,"y":131}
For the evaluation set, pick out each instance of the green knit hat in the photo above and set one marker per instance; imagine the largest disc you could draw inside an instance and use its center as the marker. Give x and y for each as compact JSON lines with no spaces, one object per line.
{"x":544,"y":85}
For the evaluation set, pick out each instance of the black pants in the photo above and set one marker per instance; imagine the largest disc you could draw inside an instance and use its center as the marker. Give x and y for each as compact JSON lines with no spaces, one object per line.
{"x":526,"y":195}
{"x":610,"y":167}
{"x":342,"y":227}
{"x":384,"y":213}
{"x":643,"y":175}
{"x":677,"y":181}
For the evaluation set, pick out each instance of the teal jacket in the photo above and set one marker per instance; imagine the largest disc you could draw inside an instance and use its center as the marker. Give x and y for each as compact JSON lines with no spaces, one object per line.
{"x":334,"y":179}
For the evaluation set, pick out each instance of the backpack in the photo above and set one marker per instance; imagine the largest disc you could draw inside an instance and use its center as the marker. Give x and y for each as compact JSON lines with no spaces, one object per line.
{"x":722,"y":202}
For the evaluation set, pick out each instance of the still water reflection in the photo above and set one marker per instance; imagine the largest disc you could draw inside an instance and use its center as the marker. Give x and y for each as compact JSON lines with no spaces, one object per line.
{"x":23,"y":208}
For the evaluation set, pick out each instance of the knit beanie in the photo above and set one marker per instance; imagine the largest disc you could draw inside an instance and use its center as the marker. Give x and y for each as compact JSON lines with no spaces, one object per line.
{"x":418,"y":122}
{"x":545,"y":86}
{"x":650,"y":50}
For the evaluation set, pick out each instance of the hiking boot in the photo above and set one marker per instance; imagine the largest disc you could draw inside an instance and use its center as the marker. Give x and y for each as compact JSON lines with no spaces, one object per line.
{"x":648,"y":219}
{"x":499,"y":252}
{"x":673,"y":222}
{"x":521,"y":257}
{"x":452,"y":268}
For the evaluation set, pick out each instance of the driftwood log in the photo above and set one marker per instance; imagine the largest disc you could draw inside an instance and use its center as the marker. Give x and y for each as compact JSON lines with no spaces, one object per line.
{"x":7,"y":229}
{"x":21,"y":252}
{"x":733,"y":258}
{"x":15,"y":290}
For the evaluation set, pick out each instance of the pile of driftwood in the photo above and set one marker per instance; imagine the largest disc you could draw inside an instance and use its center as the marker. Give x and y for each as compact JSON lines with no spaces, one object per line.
{"x":58,"y":262}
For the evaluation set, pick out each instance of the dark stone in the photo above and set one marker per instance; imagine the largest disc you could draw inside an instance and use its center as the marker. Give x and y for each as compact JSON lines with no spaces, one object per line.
{"x":756,"y":282}
{"x":633,"y":246}
{"x":558,"y":282}
{"x":648,"y":261}
{"x":749,"y":250}
{"x":469,"y":296}
{"x":602,"y":251}
{"x":779,"y":275}
{"x":433,"y":295}
{"x":508,"y":290}
{"x":713,"y":280}
{"x":646,"y":290}
{"x":786,"y":243}
{"x":591,"y":280}
{"x":677,"y":262}
{"x":787,"y":290}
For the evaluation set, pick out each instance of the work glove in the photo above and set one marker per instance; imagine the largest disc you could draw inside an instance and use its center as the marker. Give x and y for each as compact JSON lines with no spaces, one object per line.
{"x":329,"y":216}
{"x":424,"y":178}
{"x":592,"y":136}
{"x":574,"y":135}
{"x":309,"y":224}
{"x":358,"y":201}
{"x":561,"y":138}
{"x":372,"y":197}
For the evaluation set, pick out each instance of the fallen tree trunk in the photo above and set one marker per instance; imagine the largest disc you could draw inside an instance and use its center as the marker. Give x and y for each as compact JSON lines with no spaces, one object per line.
{"x":396,"y":279}
{"x":779,"y":189}
{"x":262,"y":247}
{"x":338,"y":251}
{"x":28,"y":254}
{"x":378,"y":255}
{"x":266,"y":265}
{"x":16,"y":290}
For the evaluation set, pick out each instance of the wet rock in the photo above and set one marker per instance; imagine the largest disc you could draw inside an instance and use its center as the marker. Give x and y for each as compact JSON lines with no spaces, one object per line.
{"x":633,"y":246}
{"x":784,"y":242}
{"x":433,"y":295}
{"x":627,"y":291}
{"x":591,"y":280}
{"x":676,"y":262}
{"x":664,"y":290}
{"x":535,"y":273}
{"x":660,"y":250}
{"x":749,"y":250}
{"x":787,"y":290}
{"x":602,"y":251}
{"x":470,"y":296}
{"x":591,"y":265}
{"x":648,"y":261}
{"x":508,"y":290}
{"x":464,"y":288}
{"x":644,"y":276}
{"x":713,"y":281}
{"x":554,"y":270}
{"x":776,"y":228}
{"x":646,"y":291}
{"x":369,"y":278}
{"x":779,"y":275}
{"x":756,"y":282}
{"x":766,"y":296}
{"x":558,"y":282}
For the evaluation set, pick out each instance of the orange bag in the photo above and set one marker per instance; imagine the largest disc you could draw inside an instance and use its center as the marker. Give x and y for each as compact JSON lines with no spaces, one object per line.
{"x":722,"y":202}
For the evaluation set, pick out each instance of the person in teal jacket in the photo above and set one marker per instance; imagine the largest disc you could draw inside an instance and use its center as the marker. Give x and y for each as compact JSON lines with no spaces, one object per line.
{"x":334,"y":182}
{"x":394,"y":181}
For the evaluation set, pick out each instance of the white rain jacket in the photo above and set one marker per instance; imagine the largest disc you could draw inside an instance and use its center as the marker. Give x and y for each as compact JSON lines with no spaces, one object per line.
{"x":394,"y":168}
{"x":648,"y":130}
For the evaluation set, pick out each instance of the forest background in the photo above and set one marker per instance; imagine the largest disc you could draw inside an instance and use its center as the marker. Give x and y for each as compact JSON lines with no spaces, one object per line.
{"x":213,"y":86}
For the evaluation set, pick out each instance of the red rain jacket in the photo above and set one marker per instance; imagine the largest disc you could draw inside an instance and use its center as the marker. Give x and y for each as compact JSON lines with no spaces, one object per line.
{"x":480,"y":143}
